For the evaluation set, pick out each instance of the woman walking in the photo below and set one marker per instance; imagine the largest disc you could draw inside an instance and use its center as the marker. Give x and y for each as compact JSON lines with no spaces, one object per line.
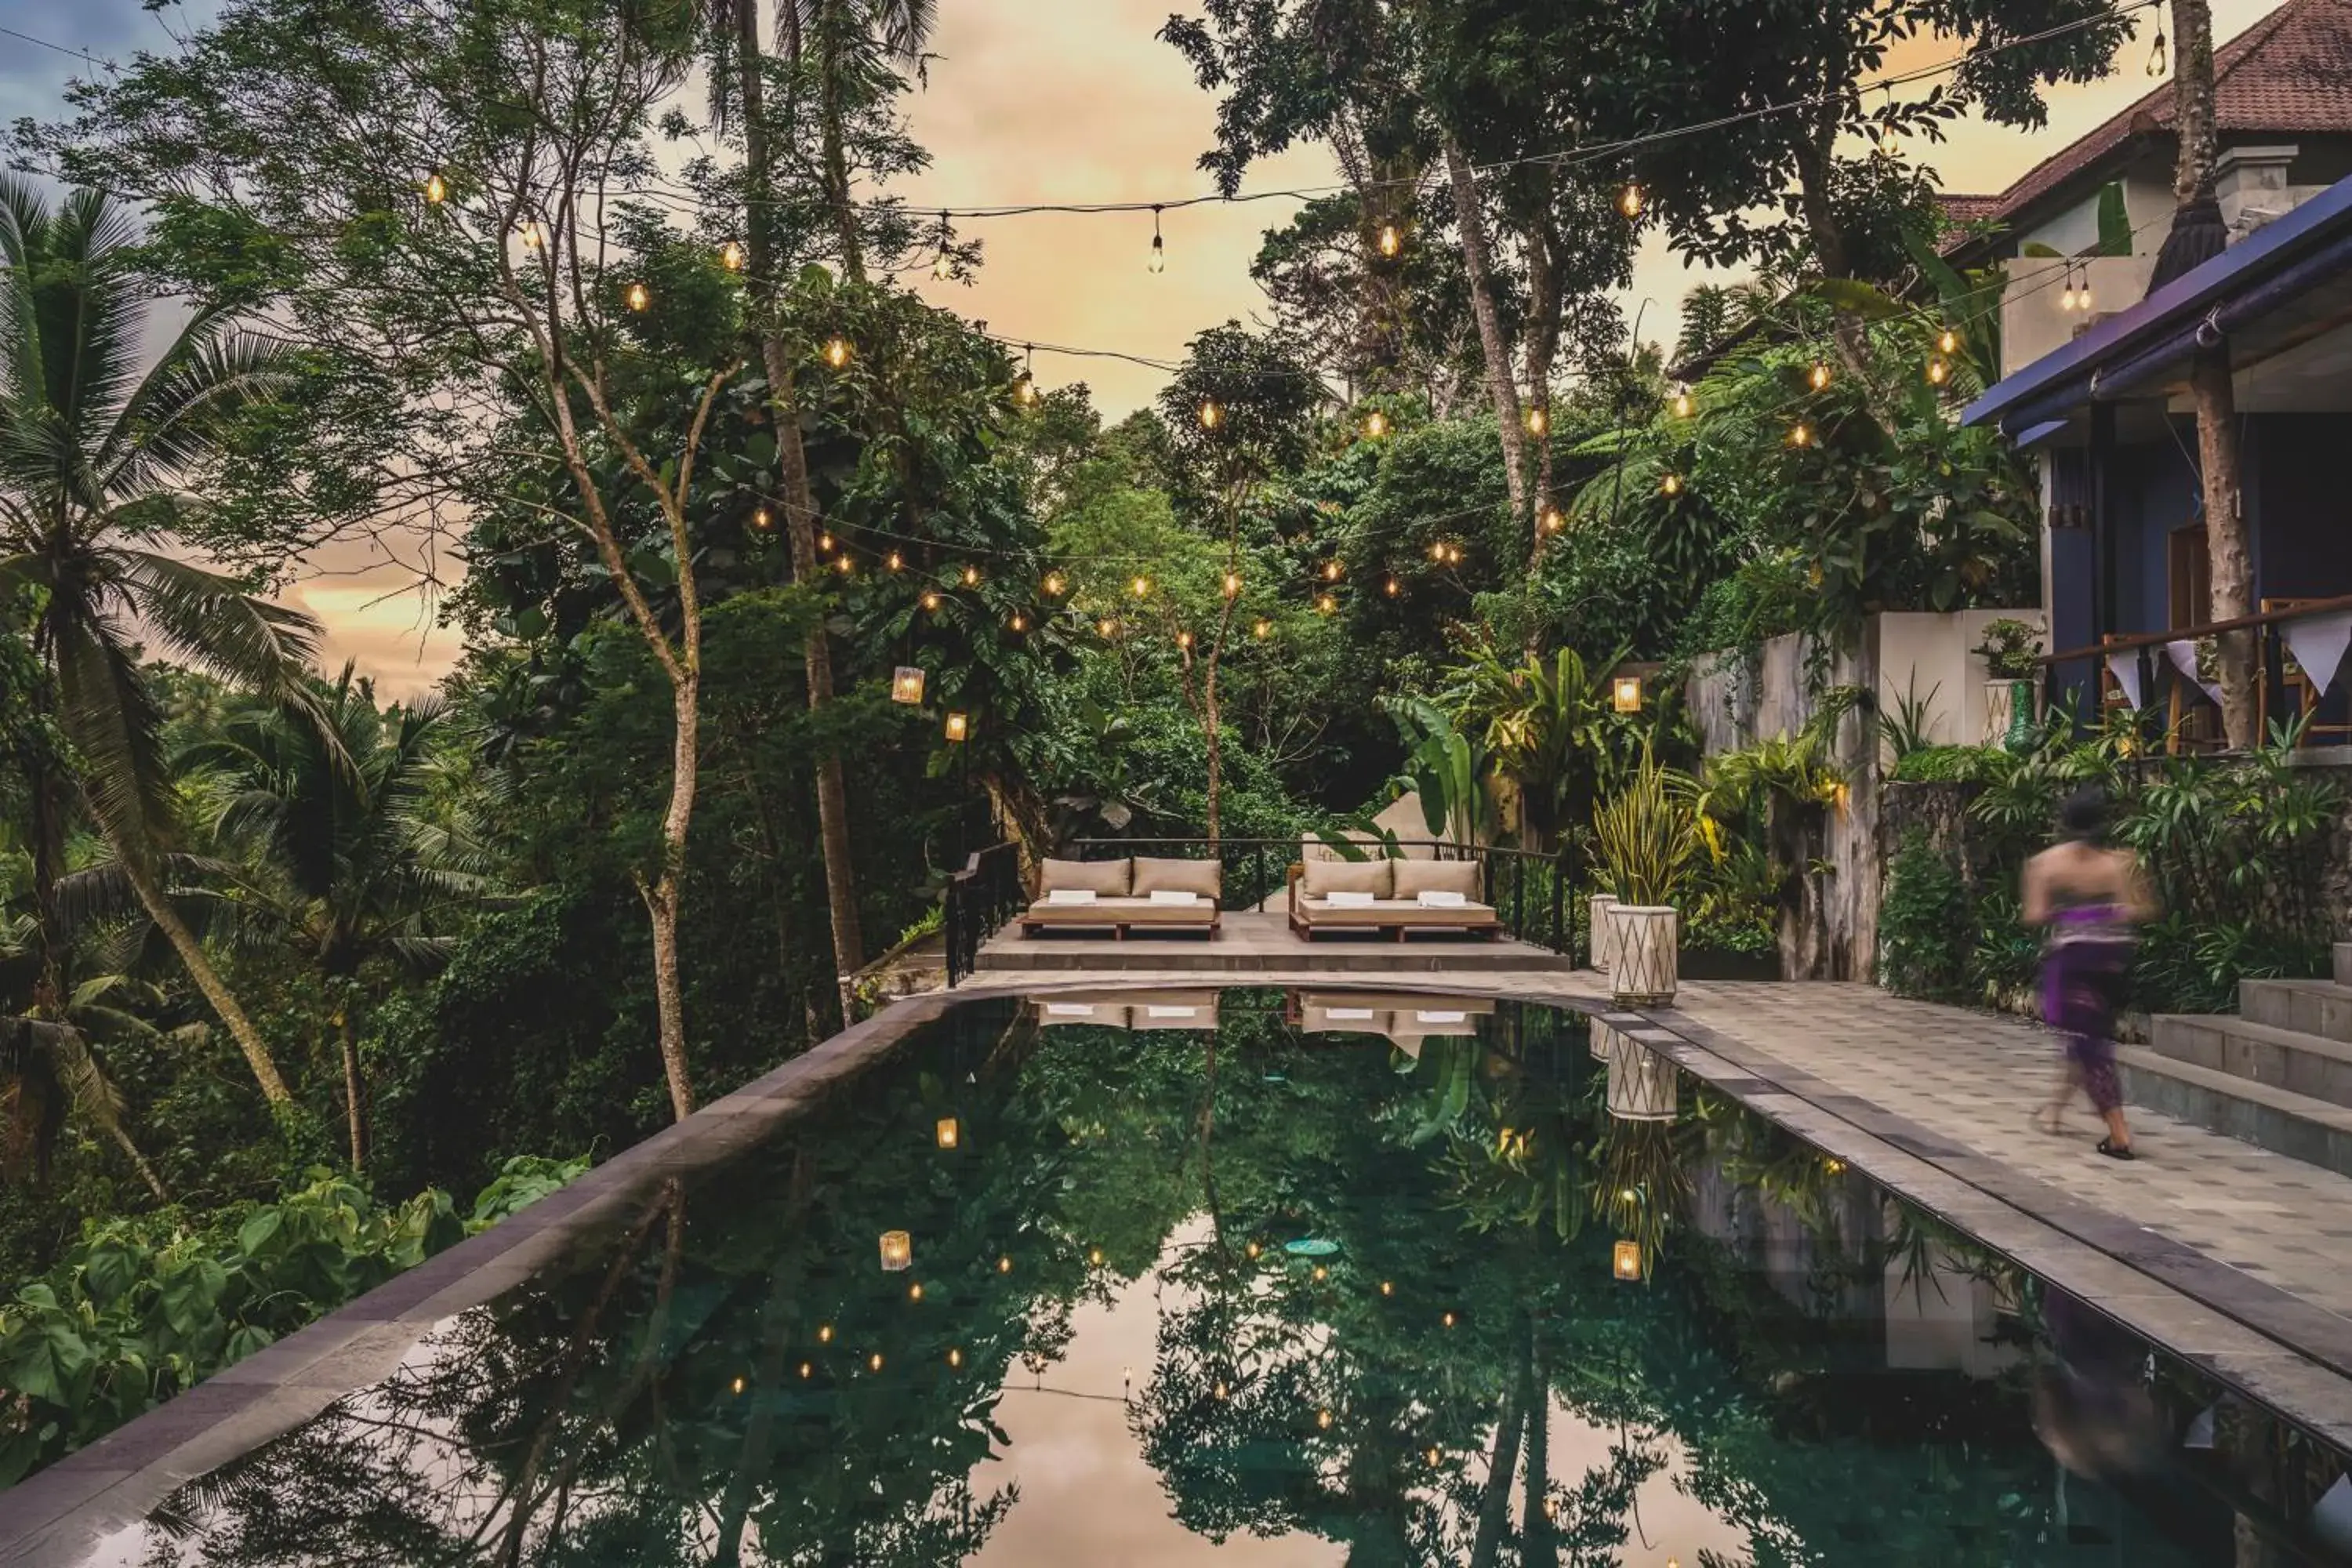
{"x":2090,"y":896}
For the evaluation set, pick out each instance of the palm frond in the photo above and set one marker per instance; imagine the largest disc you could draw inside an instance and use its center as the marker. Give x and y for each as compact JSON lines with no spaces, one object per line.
{"x":175,"y":417}
{"x":111,"y":717}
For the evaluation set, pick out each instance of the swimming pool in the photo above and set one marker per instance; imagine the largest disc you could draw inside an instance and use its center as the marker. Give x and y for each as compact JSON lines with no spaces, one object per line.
{"x":1269,"y":1278}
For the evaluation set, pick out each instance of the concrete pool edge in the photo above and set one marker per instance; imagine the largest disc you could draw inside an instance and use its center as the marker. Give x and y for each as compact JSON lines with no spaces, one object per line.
{"x":57,"y":1514}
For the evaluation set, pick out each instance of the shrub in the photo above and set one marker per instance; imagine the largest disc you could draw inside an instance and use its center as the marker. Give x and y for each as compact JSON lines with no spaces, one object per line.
{"x":1924,"y":925}
{"x":1941,"y":764}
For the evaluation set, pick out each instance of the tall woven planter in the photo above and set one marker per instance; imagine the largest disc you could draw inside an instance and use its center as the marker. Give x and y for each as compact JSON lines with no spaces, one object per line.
{"x":1644,"y":954}
{"x":1641,"y":1083}
{"x":1601,"y":904}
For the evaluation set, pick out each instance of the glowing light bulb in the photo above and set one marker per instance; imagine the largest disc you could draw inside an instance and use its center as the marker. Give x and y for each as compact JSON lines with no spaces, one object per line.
{"x":1221,"y":1391}
{"x":731,"y":257}
{"x":1670,"y":485}
{"x":1141,"y":587}
{"x":971,"y":576}
{"x":1392,"y":587}
{"x":1434,"y":1457}
{"x":1388,"y":1287}
{"x":1252,"y":1249}
{"x":1321,"y":1274}
{"x":1210,"y":415}
{"x":1107,"y":627}
{"x":1682,"y":403}
{"x":1449,"y":1320}
{"x":1391,"y":240}
{"x":1537,"y":421}
{"x":824,"y":540}
{"x":1437,"y":551}
{"x":1629,"y":201}
{"x":874,"y":1362}
{"x":1324,"y":603}
{"x":806,"y":1369}
{"x":2155,"y":56}
{"x":914,"y":1293}
{"x":1095,"y":1255}
{"x":737,"y":1385}
{"x":1939,"y":371}
{"x":1949,"y":342}
{"x":1819,"y":376}
{"x":1024,"y":392}
{"x":2083,"y":299}
{"x":1323,"y":1419}
{"x":955,"y":1358}
{"x":1800,"y":434}
{"x":639,"y":297}
{"x":1019,"y":623}
{"x":1004,"y":1265}
{"x":1262,"y":630}
{"x":1158,"y":261}
{"x":435,"y":191}
{"x":894,"y":560}
{"x":824,"y":1333}
{"x":930,"y":599}
{"x":1376,"y":425}
{"x":1331,"y":571}
{"x":1552,"y":521}
{"x":532,"y":236}
{"x":2066,"y":300}
{"x":845,"y":564}
{"x":1055,"y":584}
{"x":836,"y":352}
{"x":941,"y":268}
{"x":761,"y":521}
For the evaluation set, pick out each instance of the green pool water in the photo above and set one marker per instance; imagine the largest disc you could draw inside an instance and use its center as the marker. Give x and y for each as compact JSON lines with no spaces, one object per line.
{"x":1259,"y":1277}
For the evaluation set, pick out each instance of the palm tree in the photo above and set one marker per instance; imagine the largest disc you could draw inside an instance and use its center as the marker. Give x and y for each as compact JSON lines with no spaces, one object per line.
{"x":94,"y":461}
{"x":353,"y":866}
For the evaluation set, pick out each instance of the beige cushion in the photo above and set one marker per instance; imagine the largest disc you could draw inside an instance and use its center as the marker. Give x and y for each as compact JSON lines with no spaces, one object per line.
{"x":1109,"y":877}
{"x":1414,"y":878}
{"x":1322,"y":876}
{"x":1154,"y":876}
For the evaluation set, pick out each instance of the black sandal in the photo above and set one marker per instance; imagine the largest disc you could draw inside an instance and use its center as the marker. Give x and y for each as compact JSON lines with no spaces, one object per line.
{"x":2115,"y":1151}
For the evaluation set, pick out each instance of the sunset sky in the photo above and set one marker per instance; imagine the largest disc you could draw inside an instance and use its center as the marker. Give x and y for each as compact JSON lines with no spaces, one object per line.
{"x":1053,"y":100}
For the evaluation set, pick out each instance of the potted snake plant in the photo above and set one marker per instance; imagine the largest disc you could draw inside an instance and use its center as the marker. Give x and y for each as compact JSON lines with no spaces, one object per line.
{"x":1644,"y":835}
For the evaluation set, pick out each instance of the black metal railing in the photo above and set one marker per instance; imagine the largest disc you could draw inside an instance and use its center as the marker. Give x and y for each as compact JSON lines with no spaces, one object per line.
{"x":1532,"y":892}
{"x":979,"y":901}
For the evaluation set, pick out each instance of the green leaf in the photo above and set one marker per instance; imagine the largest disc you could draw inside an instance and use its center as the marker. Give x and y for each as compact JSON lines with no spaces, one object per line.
{"x":255,"y":1232}
{"x":2041,"y":251}
{"x":109,"y":1271}
{"x":2115,"y":221}
{"x":1856,"y":297}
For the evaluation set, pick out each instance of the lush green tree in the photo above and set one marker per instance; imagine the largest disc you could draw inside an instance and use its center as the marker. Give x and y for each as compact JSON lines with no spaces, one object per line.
{"x":95,"y":462}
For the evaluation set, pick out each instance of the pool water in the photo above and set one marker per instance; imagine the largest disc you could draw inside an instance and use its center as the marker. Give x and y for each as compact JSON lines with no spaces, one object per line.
{"x":1260,"y":1278}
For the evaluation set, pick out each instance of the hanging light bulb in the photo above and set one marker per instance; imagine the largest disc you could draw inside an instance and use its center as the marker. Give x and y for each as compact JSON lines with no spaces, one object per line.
{"x":1262,"y":630}
{"x":1025,"y":390}
{"x":1107,"y":627}
{"x":1630,"y":200}
{"x":1233,"y":583}
{"x":1185,"y":639}
{"x":1537,"y":421}
{"x":845,"y":564}
{"x":930,"y":599}
{"x":1391,"y":240}
{"x":971,"y":576}
{"x":1223,"y":1390}
{"x":1376,"y":425}
{"x":955,"y":1358}
{"x":1939,"y":370}
{"x":1019,"y":623}
{"x":2083,"y":295}
{"x":1392,"y":587}
{"x":1055,"y":584}
{"x":761,"y":521}
{"x":1141,"y":587}
{"x":894,"y":560}
{"x":824,"y":542}
{"x":435,"y":191}
{"x":1159,"y":261}
{"x":639,"y":297}
{"x":1552,"y":521}
{"x":2155,"y":56}
{"x":1210,"y":415}
{"x":1323,"y":1419}
{"x":824,"y":1333}
{"x":1670,"y":485}
{"x":1324,"y":603}
{"x":1004,"y":1265}
{"x":1388,"y":1287}
{"x":532,"y":238}
{"x":1331,"y":571}
{"x":1819,"y":376}
{"x":731,"y":257}
{"x":943,"y":265}
{"x":1437,"y":551}
{"x":1947,"y":342}
{"x":874,"y":1362}
{"x":836,"y":352}
{"x":2066,"y":300}
{"x":1682,"y":403}
{"x":1800,"y":434}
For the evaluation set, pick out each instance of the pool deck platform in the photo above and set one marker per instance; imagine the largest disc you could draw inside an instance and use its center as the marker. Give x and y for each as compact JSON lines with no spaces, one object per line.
{"x":1252,"y":942}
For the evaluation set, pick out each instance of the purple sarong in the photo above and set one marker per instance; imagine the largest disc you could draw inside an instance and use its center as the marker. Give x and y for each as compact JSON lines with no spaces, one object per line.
{"x":2083,"y":976}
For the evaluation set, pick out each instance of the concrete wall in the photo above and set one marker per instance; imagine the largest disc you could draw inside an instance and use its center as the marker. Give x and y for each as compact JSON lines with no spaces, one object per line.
{"x":1735,"y":701}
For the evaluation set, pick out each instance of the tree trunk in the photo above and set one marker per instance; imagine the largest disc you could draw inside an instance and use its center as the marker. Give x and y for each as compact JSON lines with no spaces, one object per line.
{"x":1500,"y":388}
{"x":662,"y":898}
{"x":1502,"y":1463}
{"x":837,"y":160}
{"x":2226,"y":545}
{"x":352,"y":1113}
{"x":207,"y":980}
{"x":1540,"y":1539}
{"x":800,"y":516}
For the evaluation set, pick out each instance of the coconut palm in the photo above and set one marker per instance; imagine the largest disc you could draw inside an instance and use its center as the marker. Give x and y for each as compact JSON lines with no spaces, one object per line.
{"x":351,"y":864}
{"x":96,"y":459}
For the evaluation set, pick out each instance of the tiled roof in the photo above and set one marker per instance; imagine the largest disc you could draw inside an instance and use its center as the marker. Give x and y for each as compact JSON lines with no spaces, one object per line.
{"x":1962,"y":208}
{"x":2290,"y":72}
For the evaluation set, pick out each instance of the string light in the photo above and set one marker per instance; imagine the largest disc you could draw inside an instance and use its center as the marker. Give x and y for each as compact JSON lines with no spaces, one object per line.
{"x":824,"y":1333}
{"x":1252,"y":1250}
{"x":1437,"y":551}
{"x":1106,"y":628}
{"x":1552,"y":521}
{"x":1210,"y":415}
{"x":731,"y":257}
{"x":1232,"y":584}
{"x":915,"y":1291}
{"x":1054,"y":584}
{"x":1800,"y":434}
{"x":2155,"y":56}
{"x":1670,"y":485}
{"x":1324,"y":603}
{"x":1323,"y":1419}
{"x":1221,"y":1391}
{"x":895,"y":560}
{"x":1159,"y":261}
{"x":1388,"y":1287}
{"x":761,"y":521}
{"x":824,"y":542}
{"x":930,"y":599}
{"x":1391,"y":240}
{"x":1376,"y":425}
{"x":943,"y":265}
{"x":1019,"y":623}
{"x":435,"y":190}
{"x":1537,"y":421}
{"x":1141,"y":587}
{"x":1331,"y":571}
{"x":532,"y":239}
{"x":1262,"y":630}
{"x":1449,"y":1320}
{"x":1095,"y":1255}
{"x":1630,"y":200}
{"x":2083,"y":295}
{"x":806,"y":1371}
{"x":737,"y":1385}
{"x":1185,"y":639}
{"x":1392,"y":587}
{"x":1025,"y":390}
{"x":836,"y":352}
{"x":1435,"y":1457}
{"x":971,"y":576}
{"x":874,"y":1362}
{"x":1949,"y":342}
{"x":1819,"y":376}
{"x":1939,"y":370}
{"x":639,"y":297}
{"x":955,"y":1359}
{"x":1682,"y":403}
{"x":845,"y":564}
{"x":1004,"y":1265}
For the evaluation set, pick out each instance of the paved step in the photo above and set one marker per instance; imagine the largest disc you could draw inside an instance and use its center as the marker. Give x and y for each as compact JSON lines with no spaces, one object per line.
{"x":2305,"y":1064}
{"x":2319,"y":1007}
{"x":2279,"y":1119}
{"x":2344,"y":964}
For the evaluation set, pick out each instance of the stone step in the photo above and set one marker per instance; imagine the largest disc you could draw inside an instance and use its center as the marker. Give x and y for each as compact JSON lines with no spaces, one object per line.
{"x":2320,"y":1008}
{"x":2279,"y":1119}
{"x":2344,"y":964}
{"x":2305,"y":1064}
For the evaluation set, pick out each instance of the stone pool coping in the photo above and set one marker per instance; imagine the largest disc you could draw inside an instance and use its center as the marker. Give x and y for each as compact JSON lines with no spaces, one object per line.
{"x":2246,"y":1335}
{"x":56,"y":1515}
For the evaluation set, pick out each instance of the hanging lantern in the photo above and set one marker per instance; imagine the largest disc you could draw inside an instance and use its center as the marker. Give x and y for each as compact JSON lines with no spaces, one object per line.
{"x":1390,"y":241}
{"x":898,"y":1251}
{"x":1210,"y":415}
{"x":1630,"y":200}
{"x":1625,"y":693}
{"x":731,"y":257}
{"x":958,"y":728}
{"x":1625,"y":1261}
{"x":837,"y":352}
{"x":907,"y":685}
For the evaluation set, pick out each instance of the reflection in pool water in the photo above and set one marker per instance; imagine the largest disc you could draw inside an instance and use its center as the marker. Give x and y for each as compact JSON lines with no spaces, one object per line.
{"x":1314,"y":1277}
